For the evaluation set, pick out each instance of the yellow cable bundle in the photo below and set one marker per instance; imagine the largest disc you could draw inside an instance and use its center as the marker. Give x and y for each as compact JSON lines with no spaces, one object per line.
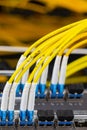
{"x":76,"y":66}
{"x":38,"y":42}
{"x":76,"y":28}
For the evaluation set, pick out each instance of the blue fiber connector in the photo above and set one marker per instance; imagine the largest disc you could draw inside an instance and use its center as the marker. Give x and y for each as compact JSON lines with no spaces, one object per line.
{"x":10,"y":117}
{"x":3,"y":117}
{"x":53,"y":89}
{"x":22,"y":118}
{"x":30,"y":115}
{"x":22,"y":115}
{"x":42,"y":90}
{"x":60,"y":90}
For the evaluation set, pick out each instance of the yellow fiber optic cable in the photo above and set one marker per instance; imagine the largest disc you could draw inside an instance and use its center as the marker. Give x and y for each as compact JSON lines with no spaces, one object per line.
{"x":81,"y":66}
{"x":76,"y":69}
{"x":76,"y":62}
{"x":73,"y":41}
{"x":65,"y":60}
{"x":80,"y":44}
{"x":13,"y":76}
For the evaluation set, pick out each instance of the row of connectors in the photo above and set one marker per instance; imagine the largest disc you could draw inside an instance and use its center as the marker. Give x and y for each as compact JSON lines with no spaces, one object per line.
{"x":56,"y":91}
{"x":44,"y":117}
{"x":62,"y":115}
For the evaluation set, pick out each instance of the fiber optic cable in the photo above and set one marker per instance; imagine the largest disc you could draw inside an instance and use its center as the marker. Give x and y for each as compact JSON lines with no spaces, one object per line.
{"x":76,"y":62}
{"x":65,"y":60}
{"x":73,"y":41}
{"x":76,"y":69}
{"x":54,"y":79}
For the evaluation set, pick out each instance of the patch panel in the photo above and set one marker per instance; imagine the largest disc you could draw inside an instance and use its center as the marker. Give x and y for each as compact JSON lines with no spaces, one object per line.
{"x":47,"y":111}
